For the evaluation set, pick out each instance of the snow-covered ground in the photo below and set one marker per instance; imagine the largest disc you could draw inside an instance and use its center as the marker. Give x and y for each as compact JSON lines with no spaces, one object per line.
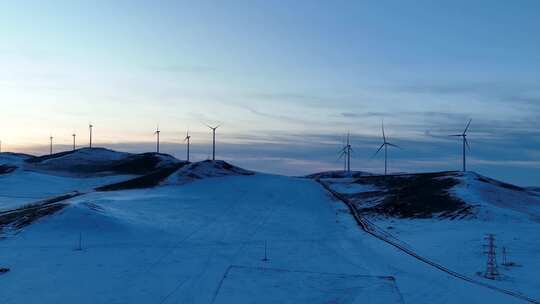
{"x":22,"y":187}
{"x":204,"y":242}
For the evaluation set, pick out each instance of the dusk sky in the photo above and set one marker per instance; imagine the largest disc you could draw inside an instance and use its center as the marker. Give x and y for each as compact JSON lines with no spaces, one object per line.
{"x":287,"y":79}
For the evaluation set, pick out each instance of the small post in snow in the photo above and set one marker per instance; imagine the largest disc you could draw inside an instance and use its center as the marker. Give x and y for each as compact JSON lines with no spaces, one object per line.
{"x":265,"y":259}
{"x":506,"y":262}
{"x":79,"y":248}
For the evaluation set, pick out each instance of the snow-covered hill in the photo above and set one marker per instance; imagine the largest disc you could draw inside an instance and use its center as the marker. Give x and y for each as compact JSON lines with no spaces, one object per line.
{"x":445,"y":217}
{"x":25,"y":178}
{"x":440,"y":194}
{"x":99,"y":160}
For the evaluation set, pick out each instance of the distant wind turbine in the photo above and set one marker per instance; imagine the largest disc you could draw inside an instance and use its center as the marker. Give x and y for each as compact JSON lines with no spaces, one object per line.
{"x":385,"y":145}
{"x":90,"y":127}
{"x":465,"y":143}
{"x":213,"y":140}
{"x":187,"y":139}
{"x":157,"y":133}
{"x":74,"y":135}
{"x":50,"y":145}
{"x":346,"y":153}
{"x":0,"y":146}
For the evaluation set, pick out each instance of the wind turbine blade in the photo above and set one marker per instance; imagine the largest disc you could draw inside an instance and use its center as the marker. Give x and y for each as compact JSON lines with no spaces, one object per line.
{"x":378,"y":150}
{"x":456,"y":135}
{"x":467,"y":144}
{"x":467,"y":128}
{"x":392,"y":145}
{"x":383,"y":135}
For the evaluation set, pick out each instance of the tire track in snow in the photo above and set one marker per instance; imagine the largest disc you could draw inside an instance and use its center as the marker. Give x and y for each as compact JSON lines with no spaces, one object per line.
{"x":373,"y":230}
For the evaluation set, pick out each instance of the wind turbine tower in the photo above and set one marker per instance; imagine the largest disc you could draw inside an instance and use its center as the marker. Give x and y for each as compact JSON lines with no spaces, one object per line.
{"x":385,"y":145}
{"x":74,"y":135}
{"x":90,"y":127}
{"x":50,"y":145}
{"x":157,"y":134}
{"x":465,"y":143}
{"x":187,"y":139}
{"x":213,"y":140}
{"x":346,"y":152}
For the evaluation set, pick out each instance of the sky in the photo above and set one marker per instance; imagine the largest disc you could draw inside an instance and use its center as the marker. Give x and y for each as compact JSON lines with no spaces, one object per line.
{"x":286,"y":79}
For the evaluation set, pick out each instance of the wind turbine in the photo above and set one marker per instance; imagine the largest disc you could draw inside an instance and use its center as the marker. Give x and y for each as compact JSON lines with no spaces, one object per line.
{"x":346,"y":151}
{"x":157,"y":133}
{"x":0,"y":146}
{"x":385,"y":145}
{"x":213,"y":140}
{"x":90,"y":127}
{"x":188,"y":138}
{"x":74,"y":135}
{"x":465,"y":143}
{"x":50,"y":146}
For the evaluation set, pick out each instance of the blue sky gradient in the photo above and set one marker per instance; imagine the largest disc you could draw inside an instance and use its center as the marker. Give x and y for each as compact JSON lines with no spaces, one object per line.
{"x":287,"y":80}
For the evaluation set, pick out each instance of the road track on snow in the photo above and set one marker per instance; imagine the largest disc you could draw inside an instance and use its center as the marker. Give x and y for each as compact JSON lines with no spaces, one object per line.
{"x":27,"y":214}
{"x":373,"y":230}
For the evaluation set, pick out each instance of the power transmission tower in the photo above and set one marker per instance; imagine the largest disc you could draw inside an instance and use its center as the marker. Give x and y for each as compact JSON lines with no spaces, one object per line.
{"x":491,"y":265}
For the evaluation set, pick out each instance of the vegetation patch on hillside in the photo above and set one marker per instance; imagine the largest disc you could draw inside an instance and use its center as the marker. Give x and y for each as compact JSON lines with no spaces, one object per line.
{"x":412,"y":196}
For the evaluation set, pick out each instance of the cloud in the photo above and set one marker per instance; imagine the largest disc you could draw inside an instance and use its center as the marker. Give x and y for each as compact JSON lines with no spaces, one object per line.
{"x":521,"y":93}
{"x":178,"y":68}
{"x":280,"y":117}
{"x":365,"y":114}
